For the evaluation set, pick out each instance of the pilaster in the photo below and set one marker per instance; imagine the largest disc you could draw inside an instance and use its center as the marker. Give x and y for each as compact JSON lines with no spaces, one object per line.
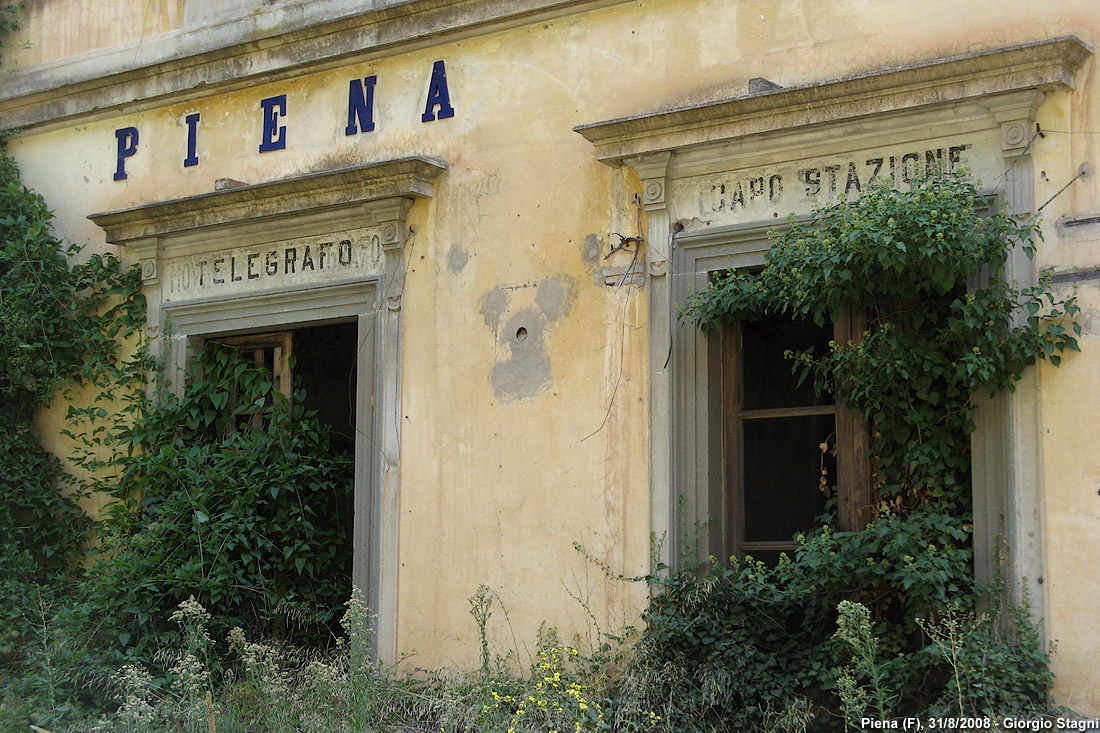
{"x":653,"y":171}
{"x":1009,"y":539}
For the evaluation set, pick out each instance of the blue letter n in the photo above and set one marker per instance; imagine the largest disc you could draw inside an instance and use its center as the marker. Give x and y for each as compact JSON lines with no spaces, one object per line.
{"x":361,"y":105}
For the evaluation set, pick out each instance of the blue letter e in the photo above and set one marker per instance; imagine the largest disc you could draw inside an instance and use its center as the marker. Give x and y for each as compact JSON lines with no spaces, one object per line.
{"x":127,"y":145}
{"x":274,"y":134}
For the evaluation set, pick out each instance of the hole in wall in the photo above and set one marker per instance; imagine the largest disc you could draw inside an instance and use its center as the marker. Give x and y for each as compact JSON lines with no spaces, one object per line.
{"x":521,"y":334}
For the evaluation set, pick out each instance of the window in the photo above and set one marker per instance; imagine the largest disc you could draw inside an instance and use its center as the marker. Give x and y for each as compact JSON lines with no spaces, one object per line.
{"x":322,"y":360}
{"x":269,"y":351}
{"x":785,"y":448}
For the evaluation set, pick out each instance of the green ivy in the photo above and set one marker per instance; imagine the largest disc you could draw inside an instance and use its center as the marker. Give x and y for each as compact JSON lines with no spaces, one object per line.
{"x":60,"y":328}
{"x":254,"y":523}
{"x":926,"y":268}
{"x":9,"y":19}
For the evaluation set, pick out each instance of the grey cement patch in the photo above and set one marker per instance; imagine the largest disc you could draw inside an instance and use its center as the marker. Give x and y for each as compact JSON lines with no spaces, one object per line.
{"x":526,"y":369}
{"x":457,"y":259}
{"x":555,"y":296}
{"x":590,"y":249}
{"x":523,"y":368}
{"x":493,"y":305}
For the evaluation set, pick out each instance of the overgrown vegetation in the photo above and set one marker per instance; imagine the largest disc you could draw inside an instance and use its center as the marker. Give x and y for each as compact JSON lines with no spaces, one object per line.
{"x":252,"y":520}
{"x":216,"y":527}
{"x":60,"y":324}
{"x":927,"y":270}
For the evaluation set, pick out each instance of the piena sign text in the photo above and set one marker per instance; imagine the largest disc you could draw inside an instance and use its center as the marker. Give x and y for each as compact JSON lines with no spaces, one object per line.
{"x":274,"y":109}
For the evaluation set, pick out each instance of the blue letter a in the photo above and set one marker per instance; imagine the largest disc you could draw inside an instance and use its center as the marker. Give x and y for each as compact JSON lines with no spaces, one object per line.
{"x":438,"y":95}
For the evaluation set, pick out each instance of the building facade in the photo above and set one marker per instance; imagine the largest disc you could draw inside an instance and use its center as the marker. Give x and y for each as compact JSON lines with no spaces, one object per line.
{"x":502,"y":204}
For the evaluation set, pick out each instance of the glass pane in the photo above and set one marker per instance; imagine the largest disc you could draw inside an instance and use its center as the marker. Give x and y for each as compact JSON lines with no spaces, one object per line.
{"x":768,"y":380}
{"x":783,"y":464}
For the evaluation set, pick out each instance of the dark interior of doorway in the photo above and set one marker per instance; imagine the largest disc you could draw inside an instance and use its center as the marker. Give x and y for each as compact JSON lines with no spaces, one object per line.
{"x":326,"y":369}
{"x":311,"y":494}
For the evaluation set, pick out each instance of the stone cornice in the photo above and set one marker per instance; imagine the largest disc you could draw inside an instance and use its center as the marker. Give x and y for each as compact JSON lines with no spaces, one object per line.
{"x":1044,"y":65}
{"x":404,"y":178}
{"x":278,"y":44}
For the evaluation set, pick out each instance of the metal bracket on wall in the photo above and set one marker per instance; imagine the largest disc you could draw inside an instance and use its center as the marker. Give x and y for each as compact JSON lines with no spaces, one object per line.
{"x":617,"y":276}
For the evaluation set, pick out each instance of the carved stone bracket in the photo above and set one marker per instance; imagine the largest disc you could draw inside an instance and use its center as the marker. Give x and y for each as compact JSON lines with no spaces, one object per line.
{"x":1013,"y":135}
{"x":391,"y":216}
{"x":653,"y":170}
{"x":389,"y":235}
{"x":654,"y":192}
{"x":145,"y":251}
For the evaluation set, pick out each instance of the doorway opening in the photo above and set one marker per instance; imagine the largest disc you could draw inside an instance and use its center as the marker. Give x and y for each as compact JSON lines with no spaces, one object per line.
{"x":304,"y":504}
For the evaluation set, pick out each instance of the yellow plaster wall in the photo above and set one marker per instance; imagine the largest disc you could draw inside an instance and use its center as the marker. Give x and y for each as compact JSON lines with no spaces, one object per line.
{"x":497,"y":484}
{"x":1071,"y":404}
{"x":55,"y":29}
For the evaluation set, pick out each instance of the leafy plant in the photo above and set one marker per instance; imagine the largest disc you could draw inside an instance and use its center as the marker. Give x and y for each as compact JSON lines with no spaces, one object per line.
{"x":60,"y":328}
{"x":854,"y":629}
{"x":926,"y":268}
{"x":253,"y":522}
{"x":996,"y":663}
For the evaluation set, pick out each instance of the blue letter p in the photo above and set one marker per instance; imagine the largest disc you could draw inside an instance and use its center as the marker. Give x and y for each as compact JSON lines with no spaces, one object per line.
{"x":127,"y":146}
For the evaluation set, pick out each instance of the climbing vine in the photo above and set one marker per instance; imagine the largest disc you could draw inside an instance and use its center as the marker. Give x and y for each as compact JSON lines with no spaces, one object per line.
{"x":62,"y":319}
{"x":926,"y":267}
{"x":253,"y":521}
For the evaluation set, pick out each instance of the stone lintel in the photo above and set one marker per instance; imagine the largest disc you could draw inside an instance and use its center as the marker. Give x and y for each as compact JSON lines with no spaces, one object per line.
{"x":371,"y":185}
{"x":1048,"y":65}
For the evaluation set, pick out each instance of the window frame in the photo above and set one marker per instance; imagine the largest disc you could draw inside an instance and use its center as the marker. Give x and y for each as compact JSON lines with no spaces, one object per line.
{"x":254,"y":345}
{"x":697,"y":452}
{"x":853,"y":476}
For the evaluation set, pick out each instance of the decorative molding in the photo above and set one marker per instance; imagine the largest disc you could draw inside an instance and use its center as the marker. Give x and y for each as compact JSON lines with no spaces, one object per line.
{"x":1047,"y":65}
{"x":283,"y":41}
{"x":1013,"y":135}
{"x":654,"y":192}
{"x":389,"y":235}
{"x":370,"y":184}
{"x":653,"y":170}
{"x":286,"y":307}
